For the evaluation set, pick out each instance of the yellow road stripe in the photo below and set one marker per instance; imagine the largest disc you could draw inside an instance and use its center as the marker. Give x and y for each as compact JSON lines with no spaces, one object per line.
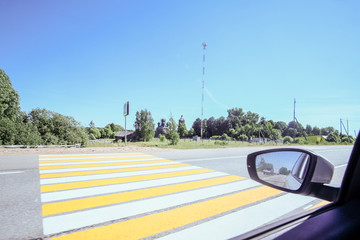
{"x":93,"y":159}
{"x":94,"y":183}
{"x":323,"y":203}
{"x":100,"y":164}
{"x":164,"y":221}
{"x":90,"y":155}
{"x":71,"y":174}
{"x":91,"y":202}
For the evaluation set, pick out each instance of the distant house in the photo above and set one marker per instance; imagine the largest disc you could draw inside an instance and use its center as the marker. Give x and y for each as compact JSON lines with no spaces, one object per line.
{"x":120,"y":135}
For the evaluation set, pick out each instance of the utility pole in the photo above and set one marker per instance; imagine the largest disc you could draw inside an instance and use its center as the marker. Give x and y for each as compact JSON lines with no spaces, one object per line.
{"x":294,"y":119}
{"x":202,"y":96}
{"x":340,"y":127}
{"x":294,"y":110}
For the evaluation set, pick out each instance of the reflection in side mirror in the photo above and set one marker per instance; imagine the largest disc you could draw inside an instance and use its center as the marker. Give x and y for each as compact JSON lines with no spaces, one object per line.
{"x":285,"y":169}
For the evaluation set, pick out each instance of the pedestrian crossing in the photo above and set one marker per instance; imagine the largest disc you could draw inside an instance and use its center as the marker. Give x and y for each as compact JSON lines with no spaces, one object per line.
{"x":136,"y":195}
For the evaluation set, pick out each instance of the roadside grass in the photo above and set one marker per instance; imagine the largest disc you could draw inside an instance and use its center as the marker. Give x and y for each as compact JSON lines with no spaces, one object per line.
{"x":313,"y":140}
{"x":205,"y":144}
{"x":183,"y":144}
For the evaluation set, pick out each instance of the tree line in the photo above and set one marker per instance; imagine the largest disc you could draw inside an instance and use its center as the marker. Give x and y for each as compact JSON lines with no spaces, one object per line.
{"x":238,"y":125}
{"x":44,"y":127}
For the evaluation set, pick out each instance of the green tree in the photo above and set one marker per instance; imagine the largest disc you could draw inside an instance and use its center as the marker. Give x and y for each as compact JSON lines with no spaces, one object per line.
{"x":332,"y":137}
{"x":95,"y":132}
{"x":243,"y":137}
{"x":197,"y":126}
{"x":55,"y":128}
{"x":309,"y":130}
{"x":284,"y":171}
{"x":191,"y":132}
{"x":316,"y":131}
{"x":9,"y":99}
{"x":115,"y":127}
{"x":144,"y":126}
{"x":288,"y":139}
{"x":326,"y":131}
{"x":172,"y":133}
{"x":275,"y":134}
{"x":183,"y":132}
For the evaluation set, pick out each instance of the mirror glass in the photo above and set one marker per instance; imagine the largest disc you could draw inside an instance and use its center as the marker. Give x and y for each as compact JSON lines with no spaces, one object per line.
{"x":286,"y":169}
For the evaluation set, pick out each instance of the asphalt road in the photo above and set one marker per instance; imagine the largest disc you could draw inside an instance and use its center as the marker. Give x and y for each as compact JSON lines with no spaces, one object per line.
{"x":20,"y":203}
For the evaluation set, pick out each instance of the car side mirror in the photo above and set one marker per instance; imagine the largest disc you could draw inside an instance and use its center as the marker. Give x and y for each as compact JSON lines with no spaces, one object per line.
{"x":293,"y":170}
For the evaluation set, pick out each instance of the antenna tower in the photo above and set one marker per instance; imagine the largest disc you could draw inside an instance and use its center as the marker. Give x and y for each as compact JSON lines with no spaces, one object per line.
{"x":202,"y":96}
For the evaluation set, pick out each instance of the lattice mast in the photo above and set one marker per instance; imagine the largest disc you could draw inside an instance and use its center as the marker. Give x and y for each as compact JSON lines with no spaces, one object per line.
{"x":202,"y":96}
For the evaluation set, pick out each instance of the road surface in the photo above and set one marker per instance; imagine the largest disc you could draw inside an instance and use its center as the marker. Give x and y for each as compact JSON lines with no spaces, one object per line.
{"x":168,"y":195}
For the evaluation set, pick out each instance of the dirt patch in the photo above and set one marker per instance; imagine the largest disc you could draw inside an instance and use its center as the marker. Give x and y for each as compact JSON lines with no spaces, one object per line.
{"x":62,"y":150}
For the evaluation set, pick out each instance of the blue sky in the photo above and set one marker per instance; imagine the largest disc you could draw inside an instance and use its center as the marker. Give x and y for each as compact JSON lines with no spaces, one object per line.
{"x":86,"y":58}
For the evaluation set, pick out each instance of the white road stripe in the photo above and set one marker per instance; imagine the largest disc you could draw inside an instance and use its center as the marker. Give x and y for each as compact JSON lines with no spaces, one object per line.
{"x":66,"y":222}
{"x":95,"y":162}
{"x":113,"y":175}
{"x":90,"y":156}
{"x":209,"y":159}
{"x":87,"y":192}
{"x":12,"y":172}
{"x":233,"y":224}
{"x":63,"y":170}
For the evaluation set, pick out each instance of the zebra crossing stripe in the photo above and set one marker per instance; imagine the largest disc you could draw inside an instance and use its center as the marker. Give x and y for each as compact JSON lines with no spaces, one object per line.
{"x":99,"y":164}
{"x":160,"y":222}
{"x":94,"y":159}
{"x":79,"y":156}
{"x":117,"y":170}
{"x":102,"y":182}
{"x":104,"y":200}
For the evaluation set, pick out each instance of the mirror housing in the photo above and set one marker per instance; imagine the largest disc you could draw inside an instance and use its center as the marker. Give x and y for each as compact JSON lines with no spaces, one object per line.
{"x":315,"y":172}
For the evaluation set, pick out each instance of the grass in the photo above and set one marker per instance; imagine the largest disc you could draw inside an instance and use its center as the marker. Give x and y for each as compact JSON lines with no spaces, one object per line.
{"x":206,"y":144}
{"x":183,"y":144}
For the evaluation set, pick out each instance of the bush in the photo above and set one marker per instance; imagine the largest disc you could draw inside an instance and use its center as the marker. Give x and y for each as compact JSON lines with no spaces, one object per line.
{"x":300,"y":141}
{"x":161,"y":137}
{"x":332,"y":137}
{"x":172,"y":133}
{"x":221,"y":143}
{"x":173,"y":137}
{"x":243,"y":137}
{"x":288,"y":139}
{"x":346,"y":139}
{"x":215,"y":137}
{"x":225,"y":137}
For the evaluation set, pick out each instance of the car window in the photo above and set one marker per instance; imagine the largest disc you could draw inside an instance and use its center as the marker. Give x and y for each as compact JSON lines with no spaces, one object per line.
{"x":140,"y":115}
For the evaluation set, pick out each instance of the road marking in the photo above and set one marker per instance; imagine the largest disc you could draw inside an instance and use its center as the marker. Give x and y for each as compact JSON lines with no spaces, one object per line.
{"x":61,"y":223}
{"x":79,"y":156}
{"x":92,"y":202}
{"x":92,"y":191}
{"x":160,"y":222}
{"x":12,"y":172}
{"x":149,"y":198}
{"x":103,"y":168}
{"x":254,"y":216}
{"x":130,"y":169}
{"x":209,"y":159}
{"x":73,"y":185}
{"x":94,"y":161}
{"x":100,"y":164}
{"x":113,"y":175}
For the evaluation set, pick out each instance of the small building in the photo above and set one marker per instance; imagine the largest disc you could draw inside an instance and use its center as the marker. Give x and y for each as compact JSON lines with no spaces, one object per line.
{"x":120,"y":135}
